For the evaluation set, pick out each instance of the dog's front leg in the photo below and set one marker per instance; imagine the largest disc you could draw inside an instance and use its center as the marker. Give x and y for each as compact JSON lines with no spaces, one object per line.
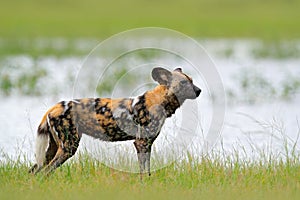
{"x":143,"y":148}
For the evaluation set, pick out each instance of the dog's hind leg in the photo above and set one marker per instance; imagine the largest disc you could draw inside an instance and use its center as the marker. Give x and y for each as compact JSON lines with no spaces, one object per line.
{"x":66,"y":141}
{"x":65,"y":151}
{"x":51,"y":151}
{"x":60,"y":157}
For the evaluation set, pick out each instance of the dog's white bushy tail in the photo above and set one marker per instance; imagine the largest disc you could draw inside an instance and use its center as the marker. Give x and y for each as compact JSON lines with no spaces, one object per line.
{"x":42,"y":142}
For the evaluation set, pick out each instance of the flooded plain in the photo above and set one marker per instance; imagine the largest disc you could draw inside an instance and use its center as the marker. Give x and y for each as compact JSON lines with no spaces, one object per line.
{"x":261,"y":85}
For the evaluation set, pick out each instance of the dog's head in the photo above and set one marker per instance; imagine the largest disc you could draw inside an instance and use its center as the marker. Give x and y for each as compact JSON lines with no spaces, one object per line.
{"x":178,"y":83}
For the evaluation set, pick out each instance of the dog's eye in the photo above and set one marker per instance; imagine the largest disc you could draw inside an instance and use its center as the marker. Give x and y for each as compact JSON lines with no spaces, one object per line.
{"x":184,"y":82}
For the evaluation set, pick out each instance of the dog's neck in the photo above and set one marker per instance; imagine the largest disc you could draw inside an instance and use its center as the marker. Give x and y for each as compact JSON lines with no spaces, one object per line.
{"x":159,"y":96}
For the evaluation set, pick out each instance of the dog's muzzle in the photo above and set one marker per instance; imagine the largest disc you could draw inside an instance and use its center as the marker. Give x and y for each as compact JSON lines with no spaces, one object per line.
{"x":197,"y":90}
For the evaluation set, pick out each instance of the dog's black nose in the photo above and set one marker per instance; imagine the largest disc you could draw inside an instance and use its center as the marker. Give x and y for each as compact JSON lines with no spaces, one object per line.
{"x":197,"y":91}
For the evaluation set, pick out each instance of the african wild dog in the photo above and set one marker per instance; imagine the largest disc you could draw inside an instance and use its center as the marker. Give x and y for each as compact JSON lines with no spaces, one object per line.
{"x":139,"y":119}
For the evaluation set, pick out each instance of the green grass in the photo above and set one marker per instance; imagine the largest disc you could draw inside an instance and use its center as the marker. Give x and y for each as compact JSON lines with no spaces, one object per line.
{"x":194,"y":179}
{"x":199,"y":18}
{"x":22,"y":22}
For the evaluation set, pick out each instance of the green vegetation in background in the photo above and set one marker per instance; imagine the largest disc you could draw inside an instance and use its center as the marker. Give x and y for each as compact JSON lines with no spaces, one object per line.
{"x":276,"y":19}
{"x":253,"y":87}
{"x":25,"y":82}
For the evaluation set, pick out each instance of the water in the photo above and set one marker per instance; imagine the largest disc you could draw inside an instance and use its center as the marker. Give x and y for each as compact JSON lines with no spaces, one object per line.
{"x":262,"y":99}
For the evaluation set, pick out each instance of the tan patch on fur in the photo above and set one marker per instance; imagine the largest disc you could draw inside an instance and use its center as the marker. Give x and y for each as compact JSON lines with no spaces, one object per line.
{"x":54,"y":111}
{"x":155,"y":97}
{"x":115,"y":103}
{"x":85,"y":100}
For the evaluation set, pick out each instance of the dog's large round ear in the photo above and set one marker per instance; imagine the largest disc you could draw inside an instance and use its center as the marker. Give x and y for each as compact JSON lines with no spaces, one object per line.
{"x":161,"y":75}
